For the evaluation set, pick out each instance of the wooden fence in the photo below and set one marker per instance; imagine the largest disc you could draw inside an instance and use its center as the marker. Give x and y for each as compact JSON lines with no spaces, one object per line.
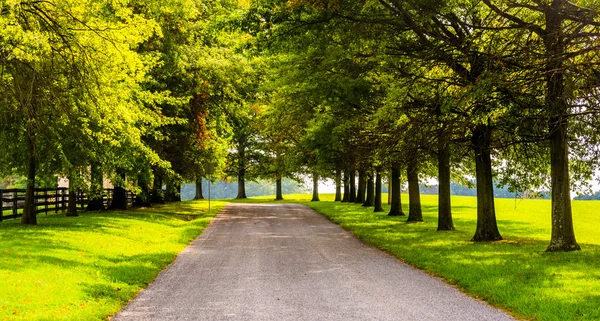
{"x":48,"y":200}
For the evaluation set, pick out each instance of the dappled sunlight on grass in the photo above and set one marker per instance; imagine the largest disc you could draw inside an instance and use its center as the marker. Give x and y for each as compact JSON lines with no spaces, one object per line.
{"x":515,"y":273}
{"x":88,"y":267}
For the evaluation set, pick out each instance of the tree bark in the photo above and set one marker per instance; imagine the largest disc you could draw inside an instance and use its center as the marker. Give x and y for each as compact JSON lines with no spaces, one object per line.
{"x":241,"y":184}
{"x":346,"y":187}
{"x":370,"y":198}
{"x":315,"y":197}
{"x":378,"y":206}
{"x":279,"y":191}
{"x":158,"y":196}
{"x":396,"y":208}
{"x":241,"y":169}
{"x":72,"y":202}
{"x":199,"y":195}
{"x":143,"y":198}
{"x":119,"y":200}
{"x":487,"y":228}
{"x":352,"y":197}
{"x":338,"y":186}
{"x":29,"y":217}
{"x":445,"y":222}
{"x":96,"y":202}
{"x":415,"y":214}
{"x":389,"y":193}
{"x":563,"y":234}
{"x":360,"y":197}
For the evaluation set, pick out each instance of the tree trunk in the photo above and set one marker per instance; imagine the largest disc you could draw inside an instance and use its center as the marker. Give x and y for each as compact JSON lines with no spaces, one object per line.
{"x":338,"y":186}
{"x":377,"y":204}
{"x":241,"y":185}
{"x":143,"y":198}
{"x":396,"y":209}
{"x":346,"y":187}
{"x":487,"y":228}
{"x":362,"y":188}
{"x":241,"y":169}
{"x":370,"y":199}
{"x":72,"y":202}
{"x":178,"y":194}
{"x":315,"y":197}
{"x":352,"y":197}
{"x":563,"y":234}
{"x":158,"y":196}
{"x":199,"y":195}
{"x":29,"y":217}
{"x":445,"y":222}
{"x":389,"y":193}
{"x":278,"y":192}
{"x":96,"y":202}
{"x":119,"y":200}
{"x":415,"y":214}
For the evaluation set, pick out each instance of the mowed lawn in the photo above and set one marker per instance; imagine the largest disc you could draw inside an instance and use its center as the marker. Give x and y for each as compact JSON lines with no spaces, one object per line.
{"x":89,"y":267}
{"x":515,"y":274}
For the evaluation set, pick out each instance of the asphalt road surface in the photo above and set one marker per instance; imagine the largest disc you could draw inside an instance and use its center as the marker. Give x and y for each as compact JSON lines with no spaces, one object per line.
{"x":287,"y":262}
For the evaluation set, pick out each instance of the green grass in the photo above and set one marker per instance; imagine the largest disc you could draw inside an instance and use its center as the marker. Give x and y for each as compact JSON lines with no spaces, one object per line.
{"x":515,"y":274}
{"x":89,"y":267}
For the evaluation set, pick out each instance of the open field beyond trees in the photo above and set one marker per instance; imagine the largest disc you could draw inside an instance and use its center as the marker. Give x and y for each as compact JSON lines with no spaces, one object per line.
{"x":515,"y":274}
{"x":88,"y":267}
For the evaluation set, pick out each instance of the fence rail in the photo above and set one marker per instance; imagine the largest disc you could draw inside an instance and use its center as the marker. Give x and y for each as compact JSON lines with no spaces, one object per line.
{"x":47,"y":200}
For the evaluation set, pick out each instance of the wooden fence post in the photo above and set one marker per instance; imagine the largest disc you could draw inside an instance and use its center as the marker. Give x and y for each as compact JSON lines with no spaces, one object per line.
{"x":46,"y":202}
{"x":62,"y":203}
{"x":15,"y":203}
{"x":56,"y":201}
{"x":1,"y":204}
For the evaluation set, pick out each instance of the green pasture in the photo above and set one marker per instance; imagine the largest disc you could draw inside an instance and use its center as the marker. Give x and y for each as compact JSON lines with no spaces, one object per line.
{"x":515,"y":274}
{"x":89,"y":267}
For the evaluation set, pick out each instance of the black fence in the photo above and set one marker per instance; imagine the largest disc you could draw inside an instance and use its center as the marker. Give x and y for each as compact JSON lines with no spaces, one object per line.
{"x":48,"y":200}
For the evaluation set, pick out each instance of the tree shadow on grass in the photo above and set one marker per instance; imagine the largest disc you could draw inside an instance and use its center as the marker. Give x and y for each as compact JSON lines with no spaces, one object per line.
{"x":514,"y":273}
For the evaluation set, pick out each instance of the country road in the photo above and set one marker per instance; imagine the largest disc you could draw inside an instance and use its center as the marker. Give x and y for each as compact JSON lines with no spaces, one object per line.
{"x":287,"y":262}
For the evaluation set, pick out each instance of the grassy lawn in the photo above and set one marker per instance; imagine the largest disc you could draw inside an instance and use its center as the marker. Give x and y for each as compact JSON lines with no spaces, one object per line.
{"x":515,"y":274}
{"x":88,"y":267}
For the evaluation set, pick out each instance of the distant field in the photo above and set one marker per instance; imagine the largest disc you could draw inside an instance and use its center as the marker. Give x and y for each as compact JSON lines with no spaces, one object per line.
{"x":515,"y":274}
{"x":88,"y":267}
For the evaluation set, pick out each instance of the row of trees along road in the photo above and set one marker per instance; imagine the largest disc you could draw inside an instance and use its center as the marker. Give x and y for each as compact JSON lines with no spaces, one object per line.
{"x":503,"y":91}
{"x":139,"y":92}
{"x":146,"y":92}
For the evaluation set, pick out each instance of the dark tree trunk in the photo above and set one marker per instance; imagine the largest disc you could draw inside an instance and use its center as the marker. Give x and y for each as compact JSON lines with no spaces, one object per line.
{"x":279,"y":191}
{"x":29,"y":217}
{"x":445,"y":222}
{"x":96,"y":202}
{"x":143,"y":198}
{"x":72,"y":202}
{"x":487,"y":228}
{"x":370,"y":198}
{"x":563,"y":235}
{"x":157,"y":193}
{"x":315,"y":197}
{"x":119,"y":200}
{"x":396,"y":209}
{"x":241,"y":169}
{"x":346,"y":197}
{"x":362,"y":188}
{"x":378,"y":207}
{"x":389,"y":193}
{"x":338,"y":186}
{"x":241,"y":185}
{"x":415,"y":214}
{"x":199,"y":195}
{"x":178,"y":194}
{"x":352,"y":197}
